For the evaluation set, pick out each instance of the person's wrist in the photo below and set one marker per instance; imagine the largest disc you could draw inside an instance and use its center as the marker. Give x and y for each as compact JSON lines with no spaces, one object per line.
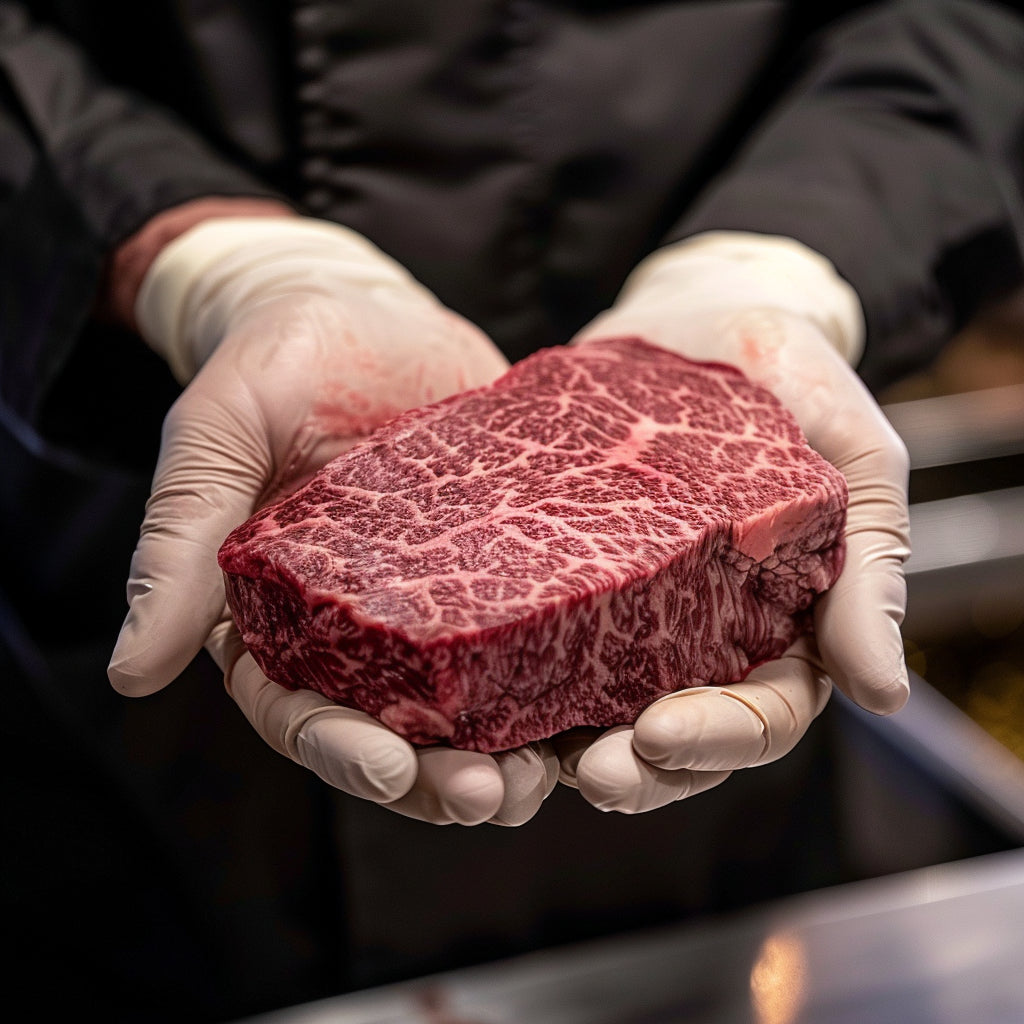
{"x":725,"y":272}
{"x":207,"y":279}
{"x":129,"y":263}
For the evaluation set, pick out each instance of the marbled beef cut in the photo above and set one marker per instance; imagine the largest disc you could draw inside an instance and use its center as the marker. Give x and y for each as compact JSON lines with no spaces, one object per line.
{"x":600,"y":526}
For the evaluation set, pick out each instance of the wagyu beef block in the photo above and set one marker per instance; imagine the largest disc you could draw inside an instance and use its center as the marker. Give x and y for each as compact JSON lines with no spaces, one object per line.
{"x":599,"y":527}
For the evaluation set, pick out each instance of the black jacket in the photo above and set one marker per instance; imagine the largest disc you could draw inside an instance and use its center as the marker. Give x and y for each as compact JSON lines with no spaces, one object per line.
{"x":519,"y":157}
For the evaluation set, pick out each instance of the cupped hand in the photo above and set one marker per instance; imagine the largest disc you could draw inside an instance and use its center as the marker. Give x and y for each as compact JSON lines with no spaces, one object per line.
{"x":301,"y":339}
{"x":690,"y":741}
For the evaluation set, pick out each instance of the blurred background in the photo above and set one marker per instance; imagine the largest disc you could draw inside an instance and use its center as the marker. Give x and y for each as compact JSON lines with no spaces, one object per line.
{"x":963,"y":422}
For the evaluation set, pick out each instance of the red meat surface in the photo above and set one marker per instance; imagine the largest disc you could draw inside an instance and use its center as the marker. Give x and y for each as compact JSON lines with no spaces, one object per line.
{"x":601,"y":526}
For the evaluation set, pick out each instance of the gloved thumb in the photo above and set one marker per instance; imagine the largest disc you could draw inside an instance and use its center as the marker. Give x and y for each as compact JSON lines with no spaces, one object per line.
{"x":175,"y":590}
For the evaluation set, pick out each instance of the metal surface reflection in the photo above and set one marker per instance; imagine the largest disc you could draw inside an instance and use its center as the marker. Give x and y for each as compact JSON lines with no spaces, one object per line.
{"x":934,"y":946}
{"x":778,"y":979}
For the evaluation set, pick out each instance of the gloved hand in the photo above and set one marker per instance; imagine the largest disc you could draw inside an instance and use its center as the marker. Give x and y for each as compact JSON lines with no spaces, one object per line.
{"x":295,"y":338}
{"x":780,"y":313}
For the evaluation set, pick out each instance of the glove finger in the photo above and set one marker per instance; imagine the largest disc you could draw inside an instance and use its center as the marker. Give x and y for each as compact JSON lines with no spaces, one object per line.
{"x":453,"y":787}
{"x":611,"y":776}
{"x":360,"y":756}
{"x":349,"y":750}
{"x":201,"y":490}
{"x":569,"y":747}
{"x":857,"y":624}
{"x":529,"y":775}
{"x":737,"y":726}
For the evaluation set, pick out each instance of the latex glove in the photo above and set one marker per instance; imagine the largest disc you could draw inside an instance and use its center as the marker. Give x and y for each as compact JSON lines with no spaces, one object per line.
{"x":780,"y":313}
{"x":295,"y":338}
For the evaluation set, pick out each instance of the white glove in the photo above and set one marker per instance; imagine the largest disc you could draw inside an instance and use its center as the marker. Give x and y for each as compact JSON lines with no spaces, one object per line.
{"x":295,"y":338}
{"x":780,"y":313}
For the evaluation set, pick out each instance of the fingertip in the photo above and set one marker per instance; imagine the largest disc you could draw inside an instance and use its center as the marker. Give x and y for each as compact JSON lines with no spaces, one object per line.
{"x":452,"y":787}
{"x":612,"y":777}
{"x":359,"y":758}
{"x":473,"y":793}
{"x":859,"y":636}
{"x":705,"y":728}
{"x":608,"y":775}
{"x":873,"y":677}
{"x":568,"y":748}
{"x":126,"y":679}
{"x":528,"y":774}
{"x":883,"y":700}
{"x":148,"y":655}
{"x":657,"y":735}
{"x":545,"y":750}
{"x":389,"y":769}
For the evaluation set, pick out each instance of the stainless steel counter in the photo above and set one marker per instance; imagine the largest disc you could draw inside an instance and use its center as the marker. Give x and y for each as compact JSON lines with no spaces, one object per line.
{"x":935,"y":946}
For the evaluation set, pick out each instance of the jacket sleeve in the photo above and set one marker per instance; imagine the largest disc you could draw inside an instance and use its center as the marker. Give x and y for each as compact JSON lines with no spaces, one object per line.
{"x":82,"y":165}
{"x":898,"y":155}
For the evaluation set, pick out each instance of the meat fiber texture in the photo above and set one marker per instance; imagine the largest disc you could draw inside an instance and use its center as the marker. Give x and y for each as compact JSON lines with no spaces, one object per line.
{"x":601,"y":526}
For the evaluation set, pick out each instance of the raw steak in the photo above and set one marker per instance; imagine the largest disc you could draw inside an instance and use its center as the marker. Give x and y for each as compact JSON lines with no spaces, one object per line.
{"x":599,"y":527}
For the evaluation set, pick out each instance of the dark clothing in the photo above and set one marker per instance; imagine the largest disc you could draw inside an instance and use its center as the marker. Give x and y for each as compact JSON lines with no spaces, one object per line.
{"x":519,"y":158}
